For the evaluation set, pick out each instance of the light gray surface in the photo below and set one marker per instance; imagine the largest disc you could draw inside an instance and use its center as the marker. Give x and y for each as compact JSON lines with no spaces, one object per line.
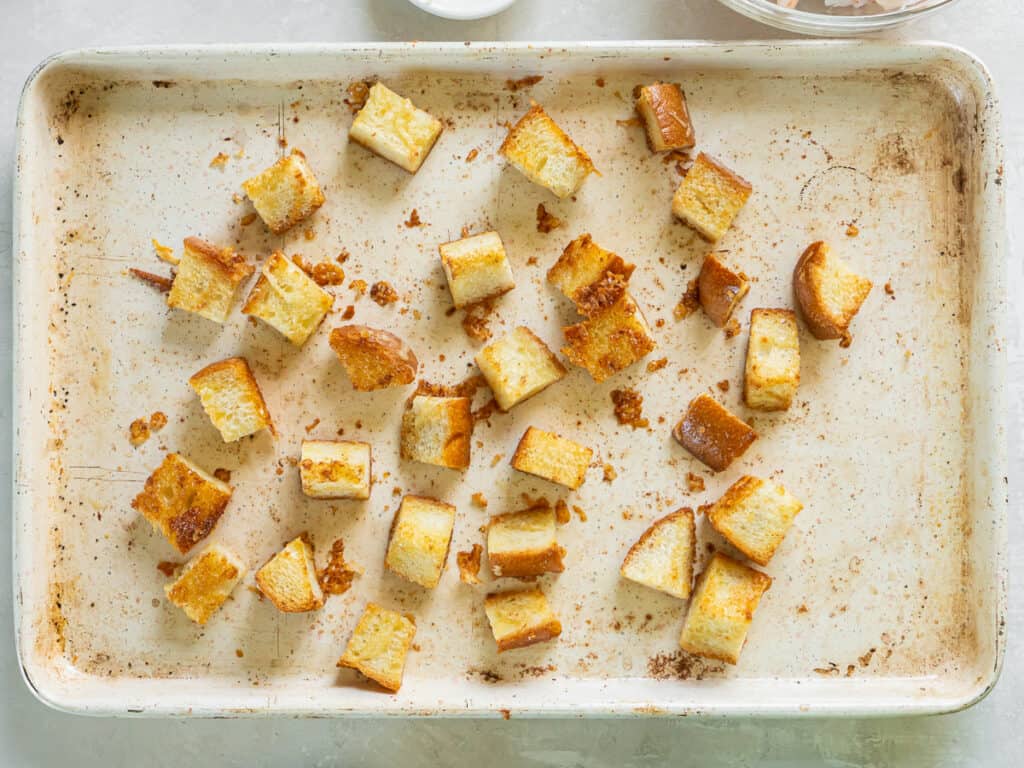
{"x":990,"y":734}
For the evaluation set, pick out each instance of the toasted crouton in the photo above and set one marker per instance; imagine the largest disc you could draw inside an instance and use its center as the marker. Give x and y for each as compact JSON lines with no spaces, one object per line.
{"x":287,"y":299}
{"x":722,"y":609}
{"x":335,"y":469}
{"x":590,"y":276}
{"x":712,"y":434}
{"x":524,"y":544}
{"x":395,"y":129}
{"x":207,"y":279}
{"x":477,"y":269}
{"x":829,"y":293}
{"x":610,"y":341}
{"x":421,"y":534}
{"x":663,"y":109}
{"x":206,"y":583}
{"x":773,"y":360}
{"x":662,"y":558}
{"x":545,"y":154}
{"x":518,"y":366}
{"x":182,"y":502}
{"x":373,"y":359}
{"x":754,"y":516}
{"x":232,"y":398}
{"x":286,"y":193}
{"x":520,"y":618}
{"x":437,"y":430}
{"x":719,"y":289}
{"x":552,"y":457}
{"x":289,"y":579}
{"x":709,"y":197}
{"x":379,"y":646}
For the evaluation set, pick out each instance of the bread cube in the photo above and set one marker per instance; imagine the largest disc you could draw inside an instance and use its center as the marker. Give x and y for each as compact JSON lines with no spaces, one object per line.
{"x":593,"y":278}
{"x":663,"y":109}
{"x":182,"y":501}
{"x":372,"y":358}
{"x":829,"y":293}
{"x":289,"y":579}
{"x":437,"y":430}
{"x":754,"y":516}
{"x":610,"y":341}
{"x":773,"y":360}
{"x":379,"y":645}
{"x":552,"y":457}
{"x":524,"y":544}
{"x":393,"y":128}
{"x":719,"y":289}
{"x":286,"y":193}
{"x":232,"y":398}
{"x":335,"y":469}
{"x":545,"y":154}
{"x":520,"y":618}
{"x":709,"y":197}
{"x":288,"y":300}
{"x":477,"y":269}
{"x":712,"y":434}
{"x":662,"y":558}
{"x":722,"y":609}
{"x":421,"y":534}
{"x":206,"y":583}
{"x":518,"y":366}
{"x":207,"y":279}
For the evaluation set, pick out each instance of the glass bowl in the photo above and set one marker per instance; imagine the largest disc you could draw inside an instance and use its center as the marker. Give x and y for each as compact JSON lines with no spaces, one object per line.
{"x":813,"y":17}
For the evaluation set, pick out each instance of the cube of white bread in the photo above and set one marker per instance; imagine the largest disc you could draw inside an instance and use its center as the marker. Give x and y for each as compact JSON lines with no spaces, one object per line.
{"x":709,"y":197}
{"x":520,"y":618}
{"x":206,"y":583}
{"x":662,"y":558}
{"x":421,"y":534}
{"x":335,"y":469}
{"x":552,"y":457}
{"x":545,"y":154}
{"x":609,"y":341}
{"x":207,"y":279}
{"x":289,"y":578}
{"x":477,"y":268}
{"x":379,"y":646}
{"x":288,"y":300}
{"x":772,"y":372}
{"x":829,"y":292}
{"x":232,"y":398}
{"x":182,"y":501}
{"x":712,"y":433}
{"x":524,"y":544}
{"x":754,"y":516}
{"x":372,"y":358}
{"x":518,"y":366}
{"x":720,"y":289}
{"x":662,"y":106}
{"x":286,"y":193}
{"x":722,"y":609}
{"x":437,"y":430}
{"x":590,"y":276}
{"x":395,"y":129}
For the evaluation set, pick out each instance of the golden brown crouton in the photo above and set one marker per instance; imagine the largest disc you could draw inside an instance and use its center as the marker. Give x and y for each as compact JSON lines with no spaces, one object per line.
{"x":335,"y":469}
{"x":520,"y":618}
{"x":207,"y":279}
{"x":288,"y":300}
{"x":524,"y":544}
{"x":719,"y":289}
{"x":232,"y":398}
{"x":518,"y":366}
{"x":545,"y":154}
{"x":206,"y":583}
{"x":379,"y":645}
{"x":662,"y":558}
{"x":773,"y":360}
{"x":373,"y":359}
{"x":552,"y":457}
{"x":712,"y":434}
{"x":754,"y":516}
{"x":286,"y":193}
{"x":421,"y":534}
{"x":289,"y":578}
{"x":610,"y":341}
{"x":392,"y":127}
{"x":829,"y":293}
{"x":709,"y":197}
{"x":477,"y":269}
{"x":593,"y":278}
{"x":437,"y":430}
{"x":663,"y":109}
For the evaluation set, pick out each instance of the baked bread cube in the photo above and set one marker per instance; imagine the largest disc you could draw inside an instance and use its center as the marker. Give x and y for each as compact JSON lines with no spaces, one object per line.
{"x":772,"y":371}
{"x":421,"y":534}
{"x":545,"y":154}
{"x":286,"y":193}
{"x":719,"y":290}
{"x":437,"y":430}
{"x":232,"y":398}
{"x":662,"y":106}
{"x":289,"y":579}
{"x":829,"y":293}
{"x":518,"y":366}
{"x":709,"y":197}
{"x":520,"y":618}
{"x":524,"y":544}
{"x":379,"y":645}
{"x":610,"y":341}
{"x":722,"y":609}
{"x":754,"y":516}
{"x":372,"y":358}
{"x":552,"y":457}
{"x":206,"y":583}
{"x":288,"y":300}
{"x":662,"y":558}
{"x":395,"y":129}
{"x":207,"y":279}
{"x":335,"y":469}
{"x":712,"y":434}
{"x":477,"y":269}
{"x":591,"y":277}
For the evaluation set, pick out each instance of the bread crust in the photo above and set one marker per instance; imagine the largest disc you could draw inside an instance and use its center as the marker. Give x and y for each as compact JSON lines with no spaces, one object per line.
{"x":712,"y":433}
{"x":666,"y":117}
{"x":807,"y":275}
{"x":719,"y":289}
